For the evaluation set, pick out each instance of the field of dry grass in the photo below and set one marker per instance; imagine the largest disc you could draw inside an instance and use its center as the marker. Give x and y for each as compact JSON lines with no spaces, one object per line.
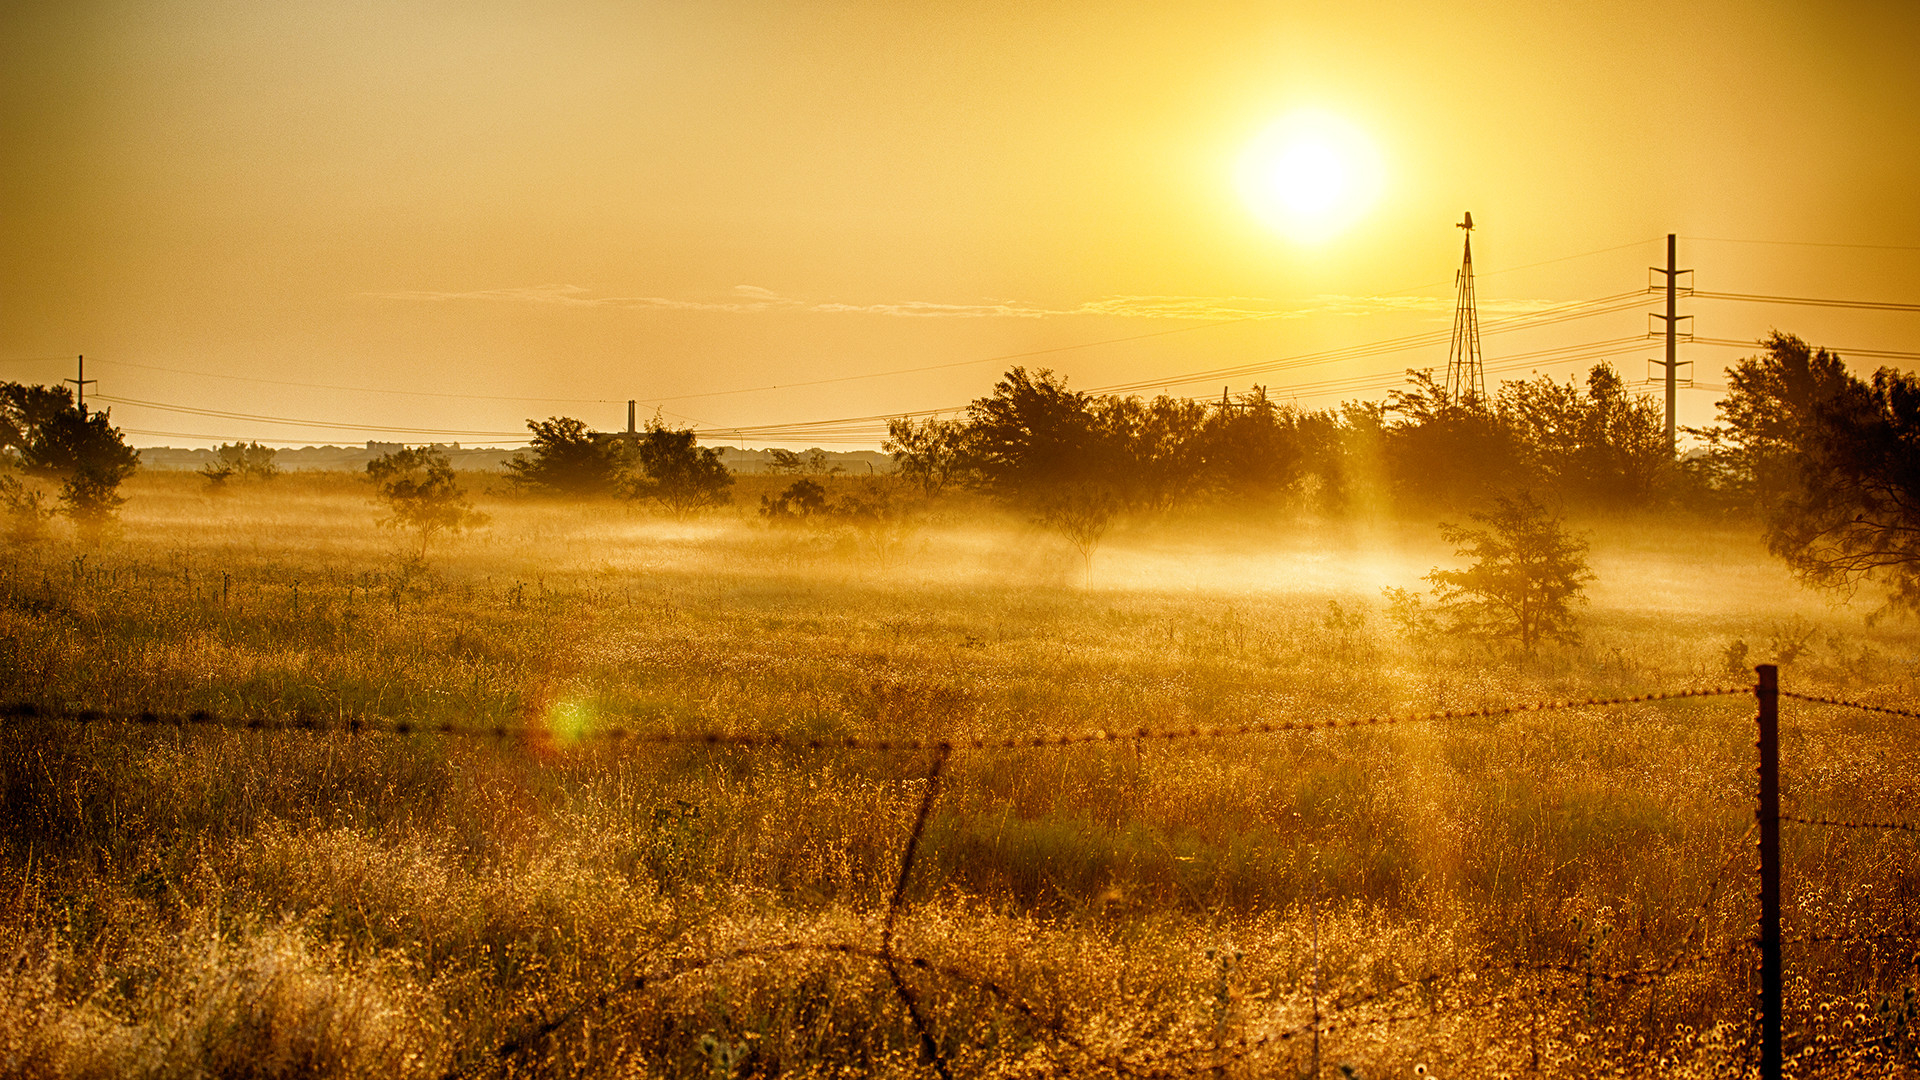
{"x":1556,"y":893}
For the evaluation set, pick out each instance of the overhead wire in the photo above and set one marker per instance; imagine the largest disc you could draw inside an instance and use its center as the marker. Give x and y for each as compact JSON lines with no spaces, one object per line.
{"x":1876,"y":354}
{"x":221,"y":414}
{"x":1805,"y":301}
{"x":1802,"y":243}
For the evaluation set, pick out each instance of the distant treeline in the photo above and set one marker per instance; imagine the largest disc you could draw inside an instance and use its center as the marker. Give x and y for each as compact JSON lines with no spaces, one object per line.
{"x":1828,"y":461}
{"x":1588,"y":442}
{"x":1037,"y":443}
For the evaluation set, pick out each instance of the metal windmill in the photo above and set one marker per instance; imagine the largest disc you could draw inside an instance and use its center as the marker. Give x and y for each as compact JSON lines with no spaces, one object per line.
{"x":1466,"y":381}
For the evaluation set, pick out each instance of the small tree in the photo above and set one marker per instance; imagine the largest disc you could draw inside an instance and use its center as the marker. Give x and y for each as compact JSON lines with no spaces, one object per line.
{"x":422,"y":494}
{"x":568,"y":459}
{"x":1082,"y":515}
{"x":931,"y":453}
{"x":249,"y":460}
{"x":812,"y":463}
{"x":678,"y":475}
{"x":801,"y":502}
{"x":1527,"y":574}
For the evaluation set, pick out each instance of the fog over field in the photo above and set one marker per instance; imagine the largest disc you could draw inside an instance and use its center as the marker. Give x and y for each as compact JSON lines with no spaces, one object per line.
{"x":1557,"y":890}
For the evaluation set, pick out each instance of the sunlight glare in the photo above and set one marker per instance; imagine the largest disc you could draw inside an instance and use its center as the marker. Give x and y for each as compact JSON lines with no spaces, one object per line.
{"x":1310,"y":176}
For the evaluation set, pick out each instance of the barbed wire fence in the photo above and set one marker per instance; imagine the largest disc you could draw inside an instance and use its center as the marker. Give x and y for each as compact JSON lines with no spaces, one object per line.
{"x":1194,"y":1060}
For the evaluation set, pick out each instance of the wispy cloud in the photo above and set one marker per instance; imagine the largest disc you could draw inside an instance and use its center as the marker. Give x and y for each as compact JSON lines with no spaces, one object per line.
{"x":746,"y":299}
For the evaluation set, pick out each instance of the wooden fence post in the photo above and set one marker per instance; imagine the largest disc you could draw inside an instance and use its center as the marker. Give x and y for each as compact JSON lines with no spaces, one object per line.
{"x":1768,"y":815}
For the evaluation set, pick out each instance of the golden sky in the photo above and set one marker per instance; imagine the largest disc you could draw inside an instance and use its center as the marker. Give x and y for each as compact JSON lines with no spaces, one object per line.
{"x":538,"y":209}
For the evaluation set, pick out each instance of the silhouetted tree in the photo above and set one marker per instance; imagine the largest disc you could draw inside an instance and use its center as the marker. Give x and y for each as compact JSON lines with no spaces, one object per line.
{"x":422,"y":494}
{"x":672,"y":471}
{"x":803,"y":500}
{"x":1053,"y":453}
{"x":932,"y":453}
{"x":1851,"y":512}
{"x":1527,"y":574}
{"x":44,"y":434}
{"x":1156,"y":450}
{"x":568,"y":459}
{"x":1595,"y":444}
{"x":1444,"y":451}
{"x":790,"y":463}
{"x":1768,"y":418}
{"x":1033,"y":436}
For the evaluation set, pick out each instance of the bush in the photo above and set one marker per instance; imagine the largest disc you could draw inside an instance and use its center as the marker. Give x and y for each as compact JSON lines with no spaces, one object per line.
{"x":678,"y":475}
{"x":1527,"y":574}
{"x":568,"y":459}
{"x":422,"y":494}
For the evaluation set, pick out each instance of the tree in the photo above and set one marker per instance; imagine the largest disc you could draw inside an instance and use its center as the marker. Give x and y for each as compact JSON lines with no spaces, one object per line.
{"x":568,"y":459}
{"x":678,"y":475}
{"x":1440,"y":450}
{"x":1155,"y":451}
{"x":1852,"y":514}
{"x":1032,"y":436}
{"x":932,"y":453}
{"x":1527,"y":574}
{"x":812,"y":463}
{"x":1597,"y":444}
{"x":1768,"y":419}
{"x":803,"y":501}
{"x":48,"y":437}
{"x":422,"y":494}
{"x":1830,"y":460}
{"x":1054,"y":453}
{"x":250,"y":460}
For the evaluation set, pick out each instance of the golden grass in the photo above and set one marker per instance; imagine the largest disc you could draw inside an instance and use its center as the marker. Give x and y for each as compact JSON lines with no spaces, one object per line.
{"x":204,"y":901}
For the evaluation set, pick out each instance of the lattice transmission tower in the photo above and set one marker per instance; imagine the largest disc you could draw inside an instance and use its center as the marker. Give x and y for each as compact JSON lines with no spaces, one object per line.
{"x":1466,"y":381}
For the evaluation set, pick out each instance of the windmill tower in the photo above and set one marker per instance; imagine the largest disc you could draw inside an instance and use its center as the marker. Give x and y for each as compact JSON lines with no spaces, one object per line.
{"x":1466,"y":382}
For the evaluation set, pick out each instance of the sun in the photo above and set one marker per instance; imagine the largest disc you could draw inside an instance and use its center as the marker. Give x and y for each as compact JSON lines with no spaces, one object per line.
{"x":1310,"y":176}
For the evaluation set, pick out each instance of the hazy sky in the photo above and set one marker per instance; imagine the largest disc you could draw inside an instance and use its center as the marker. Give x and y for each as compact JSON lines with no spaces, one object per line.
{"x":687,"y":203}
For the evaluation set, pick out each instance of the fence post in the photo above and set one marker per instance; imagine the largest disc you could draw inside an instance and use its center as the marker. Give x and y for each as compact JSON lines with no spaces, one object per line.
{"x":1768,"y":815}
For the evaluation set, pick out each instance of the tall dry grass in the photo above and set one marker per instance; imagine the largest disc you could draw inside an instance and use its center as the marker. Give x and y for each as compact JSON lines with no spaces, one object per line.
{"x":222,"y":902}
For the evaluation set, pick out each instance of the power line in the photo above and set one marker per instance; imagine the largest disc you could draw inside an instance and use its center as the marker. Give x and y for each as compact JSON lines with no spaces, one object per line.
{"x":1804,"y":243}
{"x":220,"y":414}
{"x":229,"y":438}
{"x":1807,"y":301}
{"x":1263,"y":317}
{"x":1579,"y":309}
{"x":1876,"y":354}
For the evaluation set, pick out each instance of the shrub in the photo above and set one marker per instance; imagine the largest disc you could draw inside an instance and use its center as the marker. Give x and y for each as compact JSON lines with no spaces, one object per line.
{"x":1527,"y":574}
{"x":678,"y":475}
{"x":567,"y":459}
{"x":422,"y":494}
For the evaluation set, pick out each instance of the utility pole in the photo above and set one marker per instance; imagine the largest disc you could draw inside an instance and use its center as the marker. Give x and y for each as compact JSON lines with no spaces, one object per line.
{"x":80,"y":384}
{"x":1672,"y":319}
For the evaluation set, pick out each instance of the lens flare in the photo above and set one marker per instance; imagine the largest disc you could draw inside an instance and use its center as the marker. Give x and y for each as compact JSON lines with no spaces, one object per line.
{"x":570,"y":719}
{"x":1310,"y":176}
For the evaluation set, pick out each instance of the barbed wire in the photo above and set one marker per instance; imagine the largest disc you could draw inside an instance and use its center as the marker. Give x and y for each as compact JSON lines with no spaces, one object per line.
{"x":1818,"y":699}
{"x":620,"y":733}
{"x":1838,"y":823}
{"x":1841,"y":939}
